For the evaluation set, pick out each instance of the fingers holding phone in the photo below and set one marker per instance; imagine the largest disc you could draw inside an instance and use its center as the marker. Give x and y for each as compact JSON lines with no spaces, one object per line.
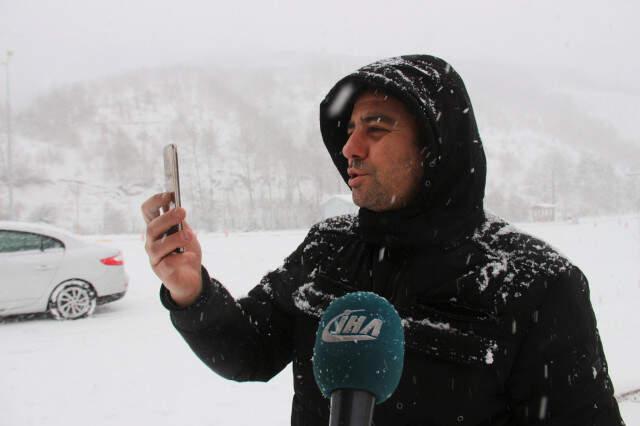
{"x":161,"y":241}
{"x":180,"y":272}
{"x":173,"y":249}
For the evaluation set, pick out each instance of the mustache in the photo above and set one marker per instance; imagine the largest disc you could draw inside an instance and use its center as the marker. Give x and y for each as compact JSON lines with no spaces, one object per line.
{"x":356,"y":163}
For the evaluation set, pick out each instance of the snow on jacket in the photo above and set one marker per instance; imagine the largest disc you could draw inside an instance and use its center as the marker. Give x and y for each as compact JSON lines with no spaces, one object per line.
{"x":499,"y":328}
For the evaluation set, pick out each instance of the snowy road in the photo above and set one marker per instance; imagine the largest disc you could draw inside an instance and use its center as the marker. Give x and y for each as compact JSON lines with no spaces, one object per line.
{"x":126,"y":365}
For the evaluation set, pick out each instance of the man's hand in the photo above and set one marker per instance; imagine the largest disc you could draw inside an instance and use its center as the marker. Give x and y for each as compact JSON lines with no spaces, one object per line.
{"x":180,"y":272}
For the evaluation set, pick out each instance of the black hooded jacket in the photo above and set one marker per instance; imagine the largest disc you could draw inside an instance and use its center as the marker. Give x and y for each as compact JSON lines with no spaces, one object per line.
{"x":499,"y":328}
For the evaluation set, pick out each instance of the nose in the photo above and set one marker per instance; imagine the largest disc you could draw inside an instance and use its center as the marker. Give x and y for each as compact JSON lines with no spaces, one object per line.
{"x":356,"y":146}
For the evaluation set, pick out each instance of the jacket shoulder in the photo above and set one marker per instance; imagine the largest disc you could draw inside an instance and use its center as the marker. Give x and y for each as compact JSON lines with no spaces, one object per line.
{"x":324,"y":238}
{"x":345,"y":224}
{"x":504,"y":242}
{"x":515,"y":263}
{"x":327,"y":236}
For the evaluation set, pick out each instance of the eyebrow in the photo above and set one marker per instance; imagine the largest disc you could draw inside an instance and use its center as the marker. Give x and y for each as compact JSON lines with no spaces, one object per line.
{"x":374,"y":118}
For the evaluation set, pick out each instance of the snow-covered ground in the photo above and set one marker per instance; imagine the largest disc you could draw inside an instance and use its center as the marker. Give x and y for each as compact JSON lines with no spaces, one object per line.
{"x":126,"y":365}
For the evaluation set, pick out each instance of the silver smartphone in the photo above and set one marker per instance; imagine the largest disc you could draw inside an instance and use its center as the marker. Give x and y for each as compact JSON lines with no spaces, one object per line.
{"x":172,"y":184}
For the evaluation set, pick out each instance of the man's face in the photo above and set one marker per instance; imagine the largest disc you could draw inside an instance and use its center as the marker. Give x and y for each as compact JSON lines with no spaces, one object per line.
{"x":385,"y":164}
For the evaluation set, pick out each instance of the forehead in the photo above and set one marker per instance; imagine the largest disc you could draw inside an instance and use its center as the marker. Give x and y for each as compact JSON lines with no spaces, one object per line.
{"x":380,"y":102}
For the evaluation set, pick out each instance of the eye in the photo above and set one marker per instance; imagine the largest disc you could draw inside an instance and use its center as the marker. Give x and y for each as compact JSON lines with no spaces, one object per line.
{"x":370,"y":129}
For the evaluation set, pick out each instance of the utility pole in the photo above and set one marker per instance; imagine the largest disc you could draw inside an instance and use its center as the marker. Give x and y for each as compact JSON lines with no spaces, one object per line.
{"x":553,"y":192}
{"x":9,"y":148}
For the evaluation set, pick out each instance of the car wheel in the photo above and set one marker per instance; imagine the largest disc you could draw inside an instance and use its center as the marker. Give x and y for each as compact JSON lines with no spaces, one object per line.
{"x":72,"y":300}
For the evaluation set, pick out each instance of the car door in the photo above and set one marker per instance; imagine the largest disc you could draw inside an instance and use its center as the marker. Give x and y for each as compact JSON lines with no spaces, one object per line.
{"x":28,"y":262}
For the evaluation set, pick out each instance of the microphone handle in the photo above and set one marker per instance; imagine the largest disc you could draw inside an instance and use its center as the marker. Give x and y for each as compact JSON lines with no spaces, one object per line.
{"x":350,"y":407}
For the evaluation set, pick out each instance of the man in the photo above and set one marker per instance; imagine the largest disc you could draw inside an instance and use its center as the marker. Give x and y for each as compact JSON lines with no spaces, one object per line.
{"x":499,"y":328}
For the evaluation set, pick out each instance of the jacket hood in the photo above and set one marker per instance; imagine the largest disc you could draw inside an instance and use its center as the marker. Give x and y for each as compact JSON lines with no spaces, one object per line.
{"x":450,"y":202}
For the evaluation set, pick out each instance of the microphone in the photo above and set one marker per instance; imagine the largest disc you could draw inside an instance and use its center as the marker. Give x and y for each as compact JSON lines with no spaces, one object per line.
{"x":358,"y":356}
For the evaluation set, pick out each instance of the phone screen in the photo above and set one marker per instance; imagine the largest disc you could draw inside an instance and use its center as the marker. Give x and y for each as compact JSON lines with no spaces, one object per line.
{"x":172,"y":184}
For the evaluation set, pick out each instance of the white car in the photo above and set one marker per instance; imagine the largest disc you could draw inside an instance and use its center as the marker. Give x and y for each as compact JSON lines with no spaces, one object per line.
{"x":47,"y":269}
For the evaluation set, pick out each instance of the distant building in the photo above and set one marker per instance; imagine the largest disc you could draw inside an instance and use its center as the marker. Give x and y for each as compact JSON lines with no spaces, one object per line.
{"x":335,"y":205}
{"x":543,"y":212}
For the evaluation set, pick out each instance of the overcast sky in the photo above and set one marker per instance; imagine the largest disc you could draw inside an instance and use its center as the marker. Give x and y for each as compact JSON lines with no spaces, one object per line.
{"x":62,"y":41}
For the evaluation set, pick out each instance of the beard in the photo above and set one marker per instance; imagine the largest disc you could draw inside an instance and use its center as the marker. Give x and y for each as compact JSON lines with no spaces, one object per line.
{"x":384,"y":192}
{"x":372,"y":195}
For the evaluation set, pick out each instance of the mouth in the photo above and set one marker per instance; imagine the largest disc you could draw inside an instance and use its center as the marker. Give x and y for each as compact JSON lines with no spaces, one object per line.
{"x":355,"y":177}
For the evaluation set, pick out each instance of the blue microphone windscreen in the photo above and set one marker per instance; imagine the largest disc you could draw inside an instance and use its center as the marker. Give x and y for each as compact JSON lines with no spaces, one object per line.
{"x":359,"y":345}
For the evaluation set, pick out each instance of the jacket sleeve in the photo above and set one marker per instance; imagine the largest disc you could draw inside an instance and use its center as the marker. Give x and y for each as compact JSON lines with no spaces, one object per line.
{"x":249,"y":339}
{"x":560,"y":375}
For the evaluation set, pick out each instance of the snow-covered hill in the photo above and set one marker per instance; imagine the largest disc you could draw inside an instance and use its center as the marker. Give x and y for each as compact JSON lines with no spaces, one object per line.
{"x":88,"y":154}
